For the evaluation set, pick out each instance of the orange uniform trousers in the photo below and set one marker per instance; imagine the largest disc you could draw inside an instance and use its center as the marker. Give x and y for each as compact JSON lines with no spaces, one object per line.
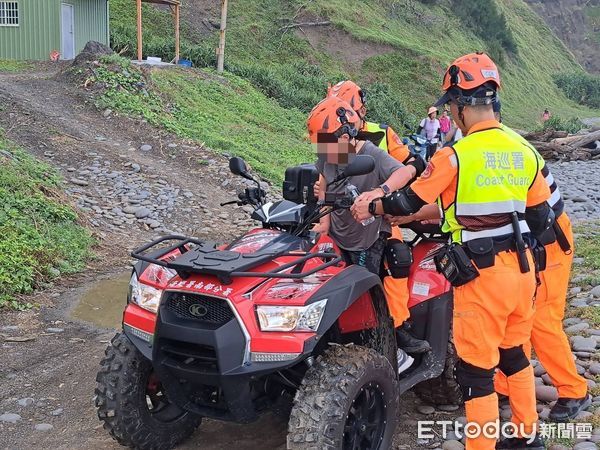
{"x":492,"y":312}
{"x":396,"y":291}
{"x":547,"y":336}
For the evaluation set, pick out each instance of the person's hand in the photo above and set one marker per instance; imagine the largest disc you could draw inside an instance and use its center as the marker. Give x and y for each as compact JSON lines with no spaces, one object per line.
{"x":431,"y":221}
{"x":399,"y":220}
{"x":360,"y":208}
{"x":320,"y":228}
{"x":369,"y":196}
{"x":317,"y":188}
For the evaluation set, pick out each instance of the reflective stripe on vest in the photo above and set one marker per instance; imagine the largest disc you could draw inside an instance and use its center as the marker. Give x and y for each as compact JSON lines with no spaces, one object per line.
{"x":371,"y":127}
{"x":495,"y":172}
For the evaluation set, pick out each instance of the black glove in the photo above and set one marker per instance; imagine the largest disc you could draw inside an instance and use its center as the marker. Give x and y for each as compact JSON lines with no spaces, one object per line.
{"x":419,"y":164}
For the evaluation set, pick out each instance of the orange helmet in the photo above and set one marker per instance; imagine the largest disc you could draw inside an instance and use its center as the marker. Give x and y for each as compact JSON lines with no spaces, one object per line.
{"x":472,"y":79}
{"x":332,"y":117}
{"x":350,"y":92}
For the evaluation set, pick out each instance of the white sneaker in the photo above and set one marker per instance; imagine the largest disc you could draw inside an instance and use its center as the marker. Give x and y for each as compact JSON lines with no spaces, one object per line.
{"x":404,"y":360}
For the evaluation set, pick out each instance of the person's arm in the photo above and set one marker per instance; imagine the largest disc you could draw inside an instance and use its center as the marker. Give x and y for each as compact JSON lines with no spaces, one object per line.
{"x":438,"y":176}
{"x":395,"y":175}
{"x":430,"y":212}
{"x":324,"y":222}
{"x":396,"y":148}
{"x":421,"y":126}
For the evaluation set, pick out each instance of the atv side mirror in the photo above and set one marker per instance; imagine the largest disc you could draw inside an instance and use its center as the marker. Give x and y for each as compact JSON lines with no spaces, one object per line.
{"x":360,"y":165}
{"x":238,"y":166}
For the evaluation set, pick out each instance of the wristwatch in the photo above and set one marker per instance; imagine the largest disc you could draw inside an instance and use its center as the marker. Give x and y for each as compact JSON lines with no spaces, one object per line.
{"x":385,"y":188}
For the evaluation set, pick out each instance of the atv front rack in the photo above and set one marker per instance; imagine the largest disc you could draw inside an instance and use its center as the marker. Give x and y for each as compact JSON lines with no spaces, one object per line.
{"x":204,"y":258}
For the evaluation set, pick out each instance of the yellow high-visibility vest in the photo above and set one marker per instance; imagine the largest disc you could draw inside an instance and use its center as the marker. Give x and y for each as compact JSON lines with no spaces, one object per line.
{"x":495,"y":172}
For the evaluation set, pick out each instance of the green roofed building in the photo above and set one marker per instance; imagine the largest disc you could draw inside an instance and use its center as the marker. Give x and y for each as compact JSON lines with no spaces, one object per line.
{"x":33,"y":29}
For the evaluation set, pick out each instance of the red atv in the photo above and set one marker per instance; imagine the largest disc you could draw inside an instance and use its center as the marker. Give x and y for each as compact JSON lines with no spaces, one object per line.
{"x":273,"y":321}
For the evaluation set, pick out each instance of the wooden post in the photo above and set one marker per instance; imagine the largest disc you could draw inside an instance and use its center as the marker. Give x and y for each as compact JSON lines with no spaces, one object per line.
{"x":139,"y":30}
{"x":221,"y":49}
{"x":177,"y":33}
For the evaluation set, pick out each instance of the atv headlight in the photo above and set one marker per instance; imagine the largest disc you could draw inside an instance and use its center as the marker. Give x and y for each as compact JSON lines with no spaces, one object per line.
{"x":143,"y":295}
{"x":291,"y":318}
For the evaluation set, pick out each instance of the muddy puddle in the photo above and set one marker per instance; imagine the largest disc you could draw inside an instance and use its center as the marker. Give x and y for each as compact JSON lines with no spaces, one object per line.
{"x":104,"y":302}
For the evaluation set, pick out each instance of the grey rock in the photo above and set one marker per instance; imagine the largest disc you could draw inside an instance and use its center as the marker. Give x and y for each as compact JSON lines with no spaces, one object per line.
{"x":79,"y":182}
{"x":146,"y":148}
{"x":448,"y":408}
{"x":425,"y":409}
{"x":107,"y":112}
{"x":506,"y":413}
{"x":579,"y":303}
{"x":136,"y":167}
{"x":546,"y":393}
{"x":10,"y":418}
{"x":595,"y":291}
{"x":583,"y":355}
{"x":43,"y":427}
{"x":453,"y":445}
{"x":10,"y":328}
{"x":595,"y":369}
{"x":57,"y":412}
{"x":130,"y":209}
{"x":583,"y":344}
{"x":55,"y":330}
{"x":544,"y":414}
{"x":142,"y":213}
{"x":558,"y":447}
{"x":539,"y":370}
{"x":585,"y":446}
{"x":591,"y":384}
{"x":578,"y":260}
{"x":577,"y":328}
{"x":27,"y":401}
{"x":575,"y":290}
{"x":571,"y":321}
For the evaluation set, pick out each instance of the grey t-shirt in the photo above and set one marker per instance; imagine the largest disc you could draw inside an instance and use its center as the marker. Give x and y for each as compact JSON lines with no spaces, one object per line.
{"x":344,"y":230}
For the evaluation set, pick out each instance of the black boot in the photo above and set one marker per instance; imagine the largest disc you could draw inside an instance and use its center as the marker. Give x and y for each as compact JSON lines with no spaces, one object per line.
{"x":409,"y":343}
{"x":521,"y":444}
{"x":568,"y":408}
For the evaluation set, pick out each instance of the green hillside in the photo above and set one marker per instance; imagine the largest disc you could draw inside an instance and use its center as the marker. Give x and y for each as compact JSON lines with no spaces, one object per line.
{"x":397,"y":50}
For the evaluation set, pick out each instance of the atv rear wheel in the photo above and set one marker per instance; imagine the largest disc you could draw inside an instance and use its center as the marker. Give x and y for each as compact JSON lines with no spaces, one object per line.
{"x":443,"y":390}
{"x":348,"y":400}
{"x":132,"y":403}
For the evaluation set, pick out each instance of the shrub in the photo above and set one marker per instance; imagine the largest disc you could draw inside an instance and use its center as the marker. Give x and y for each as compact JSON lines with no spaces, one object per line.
{"x":581,"y":87}
{"x":483,"y":17}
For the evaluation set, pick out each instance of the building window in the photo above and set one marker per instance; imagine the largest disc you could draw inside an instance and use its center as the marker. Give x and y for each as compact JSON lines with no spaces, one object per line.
{"x":9,"y":14}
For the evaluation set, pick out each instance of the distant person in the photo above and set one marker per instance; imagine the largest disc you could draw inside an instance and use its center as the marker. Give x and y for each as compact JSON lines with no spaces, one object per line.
{"x":431,"y":126}
{"x":445,"y":125}
{"x":453,"y":135}
{"x":545,"y":115}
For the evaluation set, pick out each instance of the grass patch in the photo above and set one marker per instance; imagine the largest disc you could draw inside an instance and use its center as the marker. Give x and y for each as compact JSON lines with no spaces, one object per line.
{"x":224,"y":112}
{"x":9,"y":65}
{"x":587,"y":244}
{"x":404,"y":75}
{"x":39,"y":235}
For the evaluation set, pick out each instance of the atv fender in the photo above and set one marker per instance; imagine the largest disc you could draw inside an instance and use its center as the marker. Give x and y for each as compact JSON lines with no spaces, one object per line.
{"x":341,"y":292}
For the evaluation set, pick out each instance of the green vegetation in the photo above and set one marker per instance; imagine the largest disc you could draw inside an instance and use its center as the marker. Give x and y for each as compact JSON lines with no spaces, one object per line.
{"x":572,"y":125}
{"x":581,"y":87}
{"x":12,"y":66}
{"x":396,"y":49}
{"x":483,"y":18}
{"x":39,"y":235}
{"x":224,"y":112}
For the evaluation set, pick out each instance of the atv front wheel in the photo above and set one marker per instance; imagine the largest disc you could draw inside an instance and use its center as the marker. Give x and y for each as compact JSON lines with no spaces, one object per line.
{"x":348,"y":400}
{"x":132,"y":403}
{"x":443,"y":390}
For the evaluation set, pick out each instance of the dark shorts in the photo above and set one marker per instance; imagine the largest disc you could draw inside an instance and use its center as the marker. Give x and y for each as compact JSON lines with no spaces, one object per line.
{"x":370,"y":258}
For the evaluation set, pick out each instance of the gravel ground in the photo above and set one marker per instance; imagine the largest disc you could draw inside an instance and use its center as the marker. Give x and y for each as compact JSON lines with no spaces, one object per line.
{"x":132,"y":182}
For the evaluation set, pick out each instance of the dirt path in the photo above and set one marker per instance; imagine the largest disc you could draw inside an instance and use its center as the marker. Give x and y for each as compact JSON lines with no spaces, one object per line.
{"x":56,"y":369}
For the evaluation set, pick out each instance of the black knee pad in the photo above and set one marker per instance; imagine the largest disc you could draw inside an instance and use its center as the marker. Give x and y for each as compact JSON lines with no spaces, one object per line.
{"x":474,"y":381}
{"x":512,"y":360}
